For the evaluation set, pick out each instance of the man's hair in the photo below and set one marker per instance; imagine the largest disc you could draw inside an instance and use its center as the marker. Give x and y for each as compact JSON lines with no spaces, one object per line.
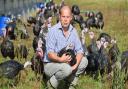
{"x":60,"y":10}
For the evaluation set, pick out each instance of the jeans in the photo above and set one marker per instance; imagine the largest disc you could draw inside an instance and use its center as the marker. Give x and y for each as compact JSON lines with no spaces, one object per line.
{"x":60,"y":71}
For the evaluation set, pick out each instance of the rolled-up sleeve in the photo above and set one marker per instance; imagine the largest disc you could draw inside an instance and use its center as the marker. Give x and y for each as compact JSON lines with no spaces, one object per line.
{"x":50,"y":41}
{"x":78,"y":45}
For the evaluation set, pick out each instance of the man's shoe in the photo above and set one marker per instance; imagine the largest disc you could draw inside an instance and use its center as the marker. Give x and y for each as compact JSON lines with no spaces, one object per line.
{"x":54,"y":82}
{"x":75,"y":81}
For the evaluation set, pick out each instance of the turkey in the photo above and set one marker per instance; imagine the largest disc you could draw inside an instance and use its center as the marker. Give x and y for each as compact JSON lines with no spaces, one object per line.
{"x":124,"y":63}
{"x":37,"y":64}
{"x":75,"y":10}
{"x":7,"y":49}
{"x":68,"y":51}
{"x":21,"y":51}
{"x":39,"y":41}
{"x":11,"y":68}
{"x":31,"y":20}
{"x":99,"y":20}
{"x":113,"y":52}
{"x":106,"y":36}
{"x":98,"y":56}
{"x":10,"y":30}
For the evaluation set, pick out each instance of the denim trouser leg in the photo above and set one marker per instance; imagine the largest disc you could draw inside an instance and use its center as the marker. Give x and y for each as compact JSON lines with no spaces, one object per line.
{"x":60,"y":71}
{"x":56,"y":72}
{"x":81,"y":68}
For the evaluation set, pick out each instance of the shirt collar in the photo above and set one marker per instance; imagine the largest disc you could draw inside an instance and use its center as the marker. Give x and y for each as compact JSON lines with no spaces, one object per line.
{"x":60,"y":27}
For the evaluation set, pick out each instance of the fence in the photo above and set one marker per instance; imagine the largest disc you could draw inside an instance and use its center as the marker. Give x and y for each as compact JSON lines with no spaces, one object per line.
{"x":16,"y":6}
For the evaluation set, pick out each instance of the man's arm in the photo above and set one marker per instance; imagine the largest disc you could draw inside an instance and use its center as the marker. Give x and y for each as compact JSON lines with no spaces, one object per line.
{"x":79,"y":51}
{"x":63,"y":59}
{"x":78,"y":60}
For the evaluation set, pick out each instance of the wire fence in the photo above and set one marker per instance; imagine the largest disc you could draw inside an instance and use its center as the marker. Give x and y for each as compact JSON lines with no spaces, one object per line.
{"x":17,"y":6}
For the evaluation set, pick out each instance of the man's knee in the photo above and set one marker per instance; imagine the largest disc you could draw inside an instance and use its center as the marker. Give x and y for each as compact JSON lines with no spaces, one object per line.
{"x":85,"y":60}
{"x":66,"y":69}
{"x":83,"y":63}
{"x":62,"y":69}
{"x":64,"y":72}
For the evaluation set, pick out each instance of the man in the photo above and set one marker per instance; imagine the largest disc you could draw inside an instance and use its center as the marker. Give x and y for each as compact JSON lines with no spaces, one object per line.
{"x":4,"y":20}
{"x":40,"y":12}
{"x":59,"y":36}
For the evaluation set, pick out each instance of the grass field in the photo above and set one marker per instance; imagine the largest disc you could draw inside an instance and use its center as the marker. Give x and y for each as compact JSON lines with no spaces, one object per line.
{"x":116,"y":24}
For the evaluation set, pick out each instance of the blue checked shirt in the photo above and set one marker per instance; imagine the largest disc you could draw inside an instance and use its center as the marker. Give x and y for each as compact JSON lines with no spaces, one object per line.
{"x":56,"y":40}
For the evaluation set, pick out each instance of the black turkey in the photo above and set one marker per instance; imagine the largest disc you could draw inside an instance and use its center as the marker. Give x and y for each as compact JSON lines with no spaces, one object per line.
{"x":37,"y":64}
{"x":113,"y":53}
{"x":75,"y":10}
{"x":99,"y":20}
{"x":37,"y":28}
{"x":124,"y":57}
{"x":39,"y":40}
{"x":89,"y":14}
{"x":124,"y":63}
{"x":106,"y":36}
{"x":98,"y":61}
{"x":90,"y":22}
{"x":97,"y":58}
{"x":99,"y":15}
{"x":68,"y":51}
{"x":7,"y":49}
{"x":10,"y":30}
{"x":99,"y":24}
{"x":11,"y":68}
{"x":31,"y":20}
{"x":21,"y":52}
{"x":47,"y":13}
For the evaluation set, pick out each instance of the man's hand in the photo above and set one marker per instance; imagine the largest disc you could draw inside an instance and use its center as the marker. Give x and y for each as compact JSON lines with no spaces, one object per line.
{"x":78,"y":60}
{"x":65,"y":58}
{"x":74,"y":67}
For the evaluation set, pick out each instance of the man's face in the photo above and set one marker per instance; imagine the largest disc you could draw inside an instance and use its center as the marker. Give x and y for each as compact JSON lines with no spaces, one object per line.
{"x":65,"y":18}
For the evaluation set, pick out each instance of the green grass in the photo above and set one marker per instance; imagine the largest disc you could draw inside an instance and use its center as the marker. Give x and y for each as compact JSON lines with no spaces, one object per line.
{"x":116,"y":24}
